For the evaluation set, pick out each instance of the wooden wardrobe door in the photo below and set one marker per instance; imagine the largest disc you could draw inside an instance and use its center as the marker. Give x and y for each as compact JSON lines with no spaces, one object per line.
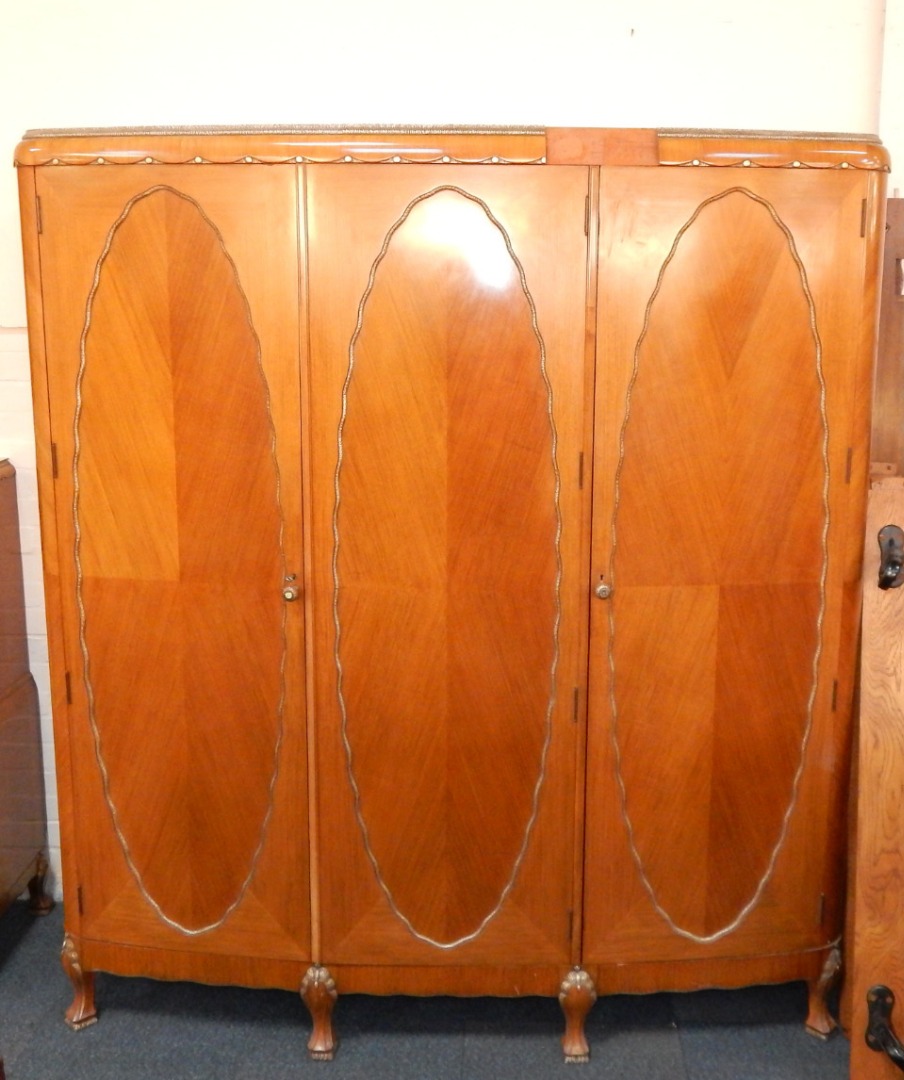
{"x":729,"y":485}
{"x":447,"y":310}
{"x":170,"y":300}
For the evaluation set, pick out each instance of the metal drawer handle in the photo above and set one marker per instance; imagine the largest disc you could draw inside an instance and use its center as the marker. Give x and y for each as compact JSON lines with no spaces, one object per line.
{"x":879,"y":1035}
{"x":891,"y":562}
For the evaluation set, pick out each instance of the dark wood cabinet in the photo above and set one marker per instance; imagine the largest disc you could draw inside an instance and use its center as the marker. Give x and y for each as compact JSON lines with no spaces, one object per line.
{"x":23,"y":821}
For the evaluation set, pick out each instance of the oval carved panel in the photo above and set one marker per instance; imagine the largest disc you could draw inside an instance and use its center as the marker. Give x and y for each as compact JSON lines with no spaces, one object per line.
{"x":446,"y":566}
{"x":179,"y":559}
{"x":719,"y":562}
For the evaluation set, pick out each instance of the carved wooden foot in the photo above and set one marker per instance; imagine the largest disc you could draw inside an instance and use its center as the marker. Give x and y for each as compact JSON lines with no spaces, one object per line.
{"x":82,"y":1012}
{"x":39,"y":903}
{"x":318,"y":992}
{"x":576,"y":997}
{"x":820,"y":1022}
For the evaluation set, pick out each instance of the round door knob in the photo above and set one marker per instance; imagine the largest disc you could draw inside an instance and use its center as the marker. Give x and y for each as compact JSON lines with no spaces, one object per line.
{"x":603,"y":591}
{"x":290,"y":593}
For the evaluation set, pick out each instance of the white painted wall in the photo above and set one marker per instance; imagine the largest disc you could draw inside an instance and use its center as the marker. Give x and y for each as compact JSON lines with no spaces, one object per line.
{"x":891,"y":111}
{"x":801,"y":65}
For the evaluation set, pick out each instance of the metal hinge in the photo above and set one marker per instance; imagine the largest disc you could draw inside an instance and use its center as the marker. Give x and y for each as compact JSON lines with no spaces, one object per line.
{"x":78,"y":896}
{"x":834,"y":695}
{"x":581,"y":471}
{"x":847,"y":464}
{"x":822,"y":908}
{"x":586,"y":215}
{"x":39,"y":215}
{"x":863,"y":218}
{"x":53,"y":460}
{"x":575,"y":698}
{"x":68,"y":689}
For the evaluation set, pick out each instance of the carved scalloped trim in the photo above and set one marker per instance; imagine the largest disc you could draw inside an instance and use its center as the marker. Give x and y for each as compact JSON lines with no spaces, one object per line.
{"x":283,"y":145}
{"x":297,"y":159}
{"x":766,"y":149}
{"x":795,"y":164}
{"x":446,"y":144}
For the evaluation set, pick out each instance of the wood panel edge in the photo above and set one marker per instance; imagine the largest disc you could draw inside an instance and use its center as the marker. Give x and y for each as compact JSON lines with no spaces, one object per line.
{"x":28,"y":210}
{"x":877,"y":857}
{"x":772,"y":149}
{"x":376,"y":145}
{"x":455,"y":144}
{"x":602,"y":146}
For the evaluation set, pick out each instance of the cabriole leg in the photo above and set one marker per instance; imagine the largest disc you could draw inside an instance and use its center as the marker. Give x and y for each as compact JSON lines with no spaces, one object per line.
{"x":576,"y":997}
{"x":82,"y":1012}
{"x":820,"y":1022}
{"x":318,"y":992}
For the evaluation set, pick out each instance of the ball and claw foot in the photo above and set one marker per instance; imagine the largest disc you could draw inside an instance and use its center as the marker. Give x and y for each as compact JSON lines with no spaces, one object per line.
{"x":318,"y":992}
{"x":576,"y":997}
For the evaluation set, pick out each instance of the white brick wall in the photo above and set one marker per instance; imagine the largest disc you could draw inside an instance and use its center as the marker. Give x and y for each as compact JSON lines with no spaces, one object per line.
{"x":17,"y":444}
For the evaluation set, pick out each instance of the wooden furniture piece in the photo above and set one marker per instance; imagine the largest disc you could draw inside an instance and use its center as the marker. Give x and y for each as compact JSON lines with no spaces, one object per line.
{"x":874,"y":940}
{"x":877,"y":972}
{"x":888,"y":429}
{"x":23,"y":821}
{"x":452,"y":544}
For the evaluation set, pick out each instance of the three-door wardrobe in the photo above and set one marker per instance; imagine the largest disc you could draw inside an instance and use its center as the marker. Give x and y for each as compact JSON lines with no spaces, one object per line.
{"x":452,"y":543}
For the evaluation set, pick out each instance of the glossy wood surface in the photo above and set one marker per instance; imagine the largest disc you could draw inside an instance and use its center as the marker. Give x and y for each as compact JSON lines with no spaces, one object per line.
{"x":454,"y":387}
{"x":878,"y":902}
{"x":285,"y":144}
{"x":888,"y":430}
{"x":772,"y":149}
{"x":718,"y":559}
{"x":145,"y":501}
{"x":451,"y":399}
{"x":177,"y":555}
{"x":718,"y":621}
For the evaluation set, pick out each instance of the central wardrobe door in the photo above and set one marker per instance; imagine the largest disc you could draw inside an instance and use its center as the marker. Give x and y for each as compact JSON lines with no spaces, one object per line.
{"x":448,"y":369}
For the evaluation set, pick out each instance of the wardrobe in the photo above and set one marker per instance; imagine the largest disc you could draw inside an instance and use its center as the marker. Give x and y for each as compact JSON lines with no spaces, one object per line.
{"x":452,"y":543}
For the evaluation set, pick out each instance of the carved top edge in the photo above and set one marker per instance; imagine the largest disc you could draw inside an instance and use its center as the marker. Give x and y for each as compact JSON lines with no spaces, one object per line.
{"x":452,"y":144}
{"x":294,"y":129}
{"x":782,"y":149}
{"x":784,"y":136}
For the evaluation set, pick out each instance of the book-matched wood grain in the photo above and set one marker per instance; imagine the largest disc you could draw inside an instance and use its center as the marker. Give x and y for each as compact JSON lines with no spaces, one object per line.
{"x":264,"y":359}
{"x":454,"y":388}
{"x":888,"y":439}
{"x":176,"y":425}
{"x":723,"y":434}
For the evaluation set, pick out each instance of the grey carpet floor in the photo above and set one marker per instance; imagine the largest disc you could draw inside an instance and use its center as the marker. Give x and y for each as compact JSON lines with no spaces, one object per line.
{"x":181,"y":1031}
